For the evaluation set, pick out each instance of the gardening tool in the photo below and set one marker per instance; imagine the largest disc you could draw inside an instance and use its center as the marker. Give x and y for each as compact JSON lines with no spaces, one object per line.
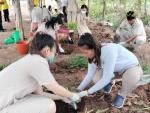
{"x":74,"y":105}
{"x":13,"y":38}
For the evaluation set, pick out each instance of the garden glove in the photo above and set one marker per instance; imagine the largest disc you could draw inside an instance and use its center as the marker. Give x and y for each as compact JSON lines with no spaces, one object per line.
{"x":83,"y":94}
{"x":75,"y":98}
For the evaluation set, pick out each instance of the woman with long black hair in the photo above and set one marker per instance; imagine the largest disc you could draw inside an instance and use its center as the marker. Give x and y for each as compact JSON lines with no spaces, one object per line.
{"x":104,"y":61}
{"x":51,"y":27}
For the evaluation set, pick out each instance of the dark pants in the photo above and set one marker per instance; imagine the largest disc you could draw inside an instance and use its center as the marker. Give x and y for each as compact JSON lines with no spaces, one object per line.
{"x":6,"y":15}
{"x":65,"y":14}
{"x":1,"y":26}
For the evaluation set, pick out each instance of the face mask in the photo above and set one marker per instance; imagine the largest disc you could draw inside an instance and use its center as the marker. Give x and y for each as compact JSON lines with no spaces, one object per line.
{"x":51,"y":59}
{"x":83,"y":11}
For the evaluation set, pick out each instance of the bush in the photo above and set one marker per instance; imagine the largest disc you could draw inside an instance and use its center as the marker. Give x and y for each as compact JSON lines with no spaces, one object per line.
{"x":78,"y":61}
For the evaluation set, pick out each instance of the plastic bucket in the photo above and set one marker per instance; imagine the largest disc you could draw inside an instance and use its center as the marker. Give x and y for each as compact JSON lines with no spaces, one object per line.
{"x":22,"y":47}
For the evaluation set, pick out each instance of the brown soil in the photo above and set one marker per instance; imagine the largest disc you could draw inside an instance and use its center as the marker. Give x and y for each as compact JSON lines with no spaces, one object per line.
{"x":137,"y":102}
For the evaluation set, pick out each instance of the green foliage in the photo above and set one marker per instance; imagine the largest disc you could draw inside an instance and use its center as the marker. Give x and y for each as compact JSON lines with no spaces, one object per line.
{"x":2,"y":67}
{"x":146,"y":69}
{"x":72,"y":26}
{"x":145,"y":20}
{"x":78,"y":61}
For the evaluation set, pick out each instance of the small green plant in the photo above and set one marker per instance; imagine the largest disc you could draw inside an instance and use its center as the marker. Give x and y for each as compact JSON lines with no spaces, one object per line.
{"x":2,"y":67}
{"x":78,"y":61}
{"x":146,"y":69}
{"x":145,"y":20}
{"x":72,"y":26}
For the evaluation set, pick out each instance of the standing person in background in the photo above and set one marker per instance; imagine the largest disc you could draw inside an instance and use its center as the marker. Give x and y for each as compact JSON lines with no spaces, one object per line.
{"x":36,"y":17}
{"x":81,"y":21}
{"x":72,"y":8}
{"x":64,"y":9}
{"x":1,"y":23}
{"x":131,"y":32}
{"x":5,"y":9}
{"x":36,"y":2}
{"x":46,"y":14}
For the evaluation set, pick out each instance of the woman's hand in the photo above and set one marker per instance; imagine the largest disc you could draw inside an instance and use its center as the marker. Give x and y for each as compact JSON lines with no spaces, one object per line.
{"x":83,"y":94}
{"x":75,"y":98}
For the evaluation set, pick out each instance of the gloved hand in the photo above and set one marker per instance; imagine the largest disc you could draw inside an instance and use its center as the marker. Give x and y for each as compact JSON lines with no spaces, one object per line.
{"x":83,"y":94}
{"x":75,"y":98}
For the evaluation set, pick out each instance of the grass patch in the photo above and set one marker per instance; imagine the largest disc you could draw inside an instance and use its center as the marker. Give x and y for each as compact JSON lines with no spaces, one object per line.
{"x":72,"y":26}
{"x":146,"y":69}
{"x":78,"y":61}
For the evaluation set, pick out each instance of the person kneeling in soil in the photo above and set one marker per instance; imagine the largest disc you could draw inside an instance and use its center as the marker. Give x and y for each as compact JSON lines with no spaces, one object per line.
{"x":21,"y":82}
{"x":104,"y":61}
{"x":52,"y":28}
{"x":131,"y":32}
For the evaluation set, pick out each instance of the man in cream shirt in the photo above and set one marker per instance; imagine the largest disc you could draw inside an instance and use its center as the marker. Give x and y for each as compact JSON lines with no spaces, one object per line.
{"x":131,"y":31}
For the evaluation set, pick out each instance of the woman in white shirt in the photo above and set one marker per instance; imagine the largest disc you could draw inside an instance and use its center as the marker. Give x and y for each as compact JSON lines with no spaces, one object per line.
{"x":21,"y":82}
{"x":51,"y":27}
{"x":104,"y":61}
{"x":81,"y":21}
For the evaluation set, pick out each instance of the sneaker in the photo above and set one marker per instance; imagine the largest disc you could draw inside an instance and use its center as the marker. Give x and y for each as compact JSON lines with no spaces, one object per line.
{"x":108,"y":87}
{"x":61,"y":49}
{"x":118,"y":101}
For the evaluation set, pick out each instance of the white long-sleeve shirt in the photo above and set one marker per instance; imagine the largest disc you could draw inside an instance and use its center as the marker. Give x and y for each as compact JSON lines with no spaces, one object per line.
{"x":114,"y":58}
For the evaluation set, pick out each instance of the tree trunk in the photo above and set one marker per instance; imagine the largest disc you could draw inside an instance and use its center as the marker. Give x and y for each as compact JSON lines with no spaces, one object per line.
{"x":145,"y":8}
{"x":138,"y":8}
{"x":19,"y":22}
{"x":87,"y":2}
{"x":104,"y":9}
{"x":30,"y":5}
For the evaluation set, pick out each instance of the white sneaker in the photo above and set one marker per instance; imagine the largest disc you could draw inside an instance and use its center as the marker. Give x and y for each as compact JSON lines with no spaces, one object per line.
{"x":61,"y":49}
